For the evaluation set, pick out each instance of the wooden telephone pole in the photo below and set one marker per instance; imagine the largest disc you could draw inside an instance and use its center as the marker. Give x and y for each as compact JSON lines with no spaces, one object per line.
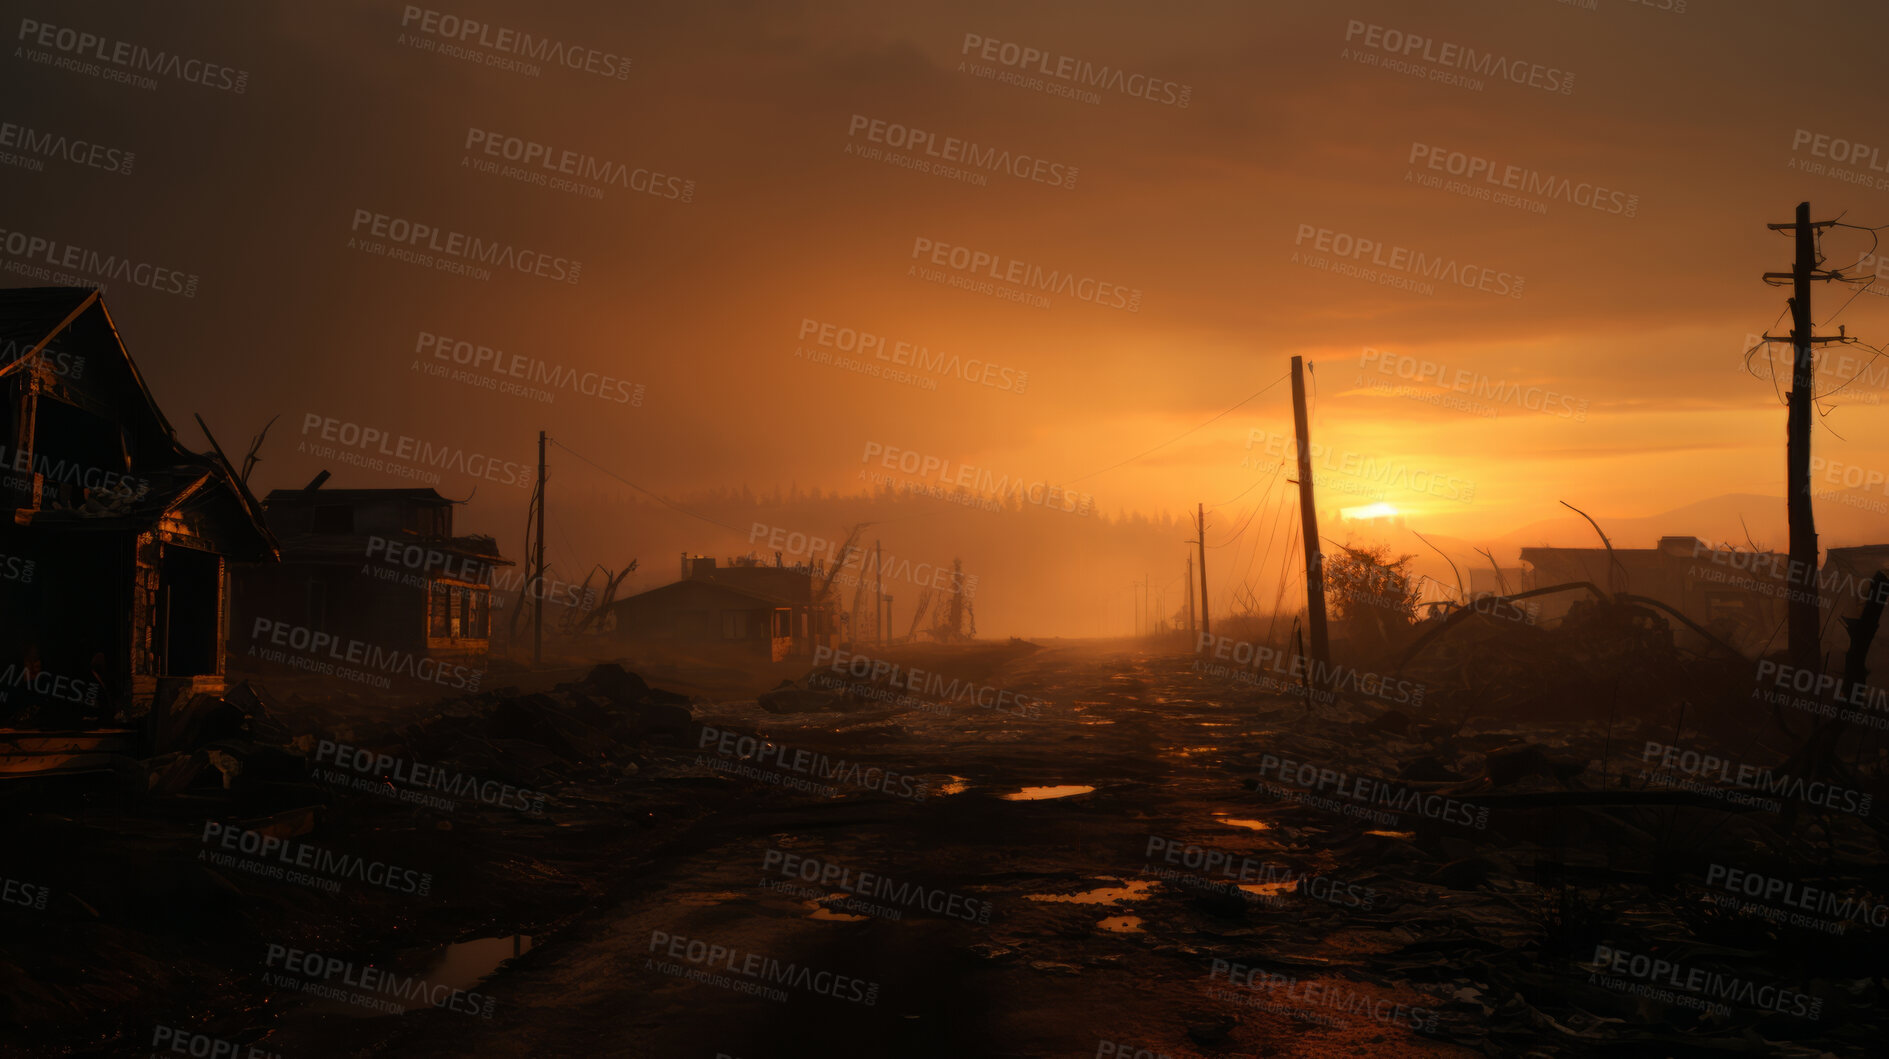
{"x":1308,"y":528}
{"x":1805,"y":651}
{"x":1200,"y":538}
{"x":1190,"y":594}
{"x":537,"y":581}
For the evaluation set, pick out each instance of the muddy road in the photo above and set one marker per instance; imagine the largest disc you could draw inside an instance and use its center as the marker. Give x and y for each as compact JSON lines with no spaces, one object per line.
{"x":1089,"y":850}
{"x":1093,"y":879}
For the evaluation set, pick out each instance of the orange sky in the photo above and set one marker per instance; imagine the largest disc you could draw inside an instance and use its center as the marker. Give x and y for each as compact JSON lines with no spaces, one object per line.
{"x":1294,"y":124}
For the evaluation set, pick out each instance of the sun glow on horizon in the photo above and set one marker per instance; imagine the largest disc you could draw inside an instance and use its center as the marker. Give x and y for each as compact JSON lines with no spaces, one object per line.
{"x":1368,"y":511}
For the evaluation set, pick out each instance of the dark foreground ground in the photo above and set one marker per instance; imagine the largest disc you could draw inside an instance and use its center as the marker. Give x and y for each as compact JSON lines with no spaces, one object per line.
{"x":1196,"y":900}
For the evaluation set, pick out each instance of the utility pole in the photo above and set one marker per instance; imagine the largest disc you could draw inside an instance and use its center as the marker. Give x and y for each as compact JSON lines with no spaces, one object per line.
{"x":1189,"y":581}
{"x":1308,"y":528}
{"x":1200,"y":526}
{"x":537,"y":610}
{"x":878,"y":593}
{"x":1804,"y":604}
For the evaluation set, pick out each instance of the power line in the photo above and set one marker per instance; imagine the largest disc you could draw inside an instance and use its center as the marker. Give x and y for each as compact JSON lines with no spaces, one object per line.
{"x":664,"y":501}
{"x":1181,"y":435}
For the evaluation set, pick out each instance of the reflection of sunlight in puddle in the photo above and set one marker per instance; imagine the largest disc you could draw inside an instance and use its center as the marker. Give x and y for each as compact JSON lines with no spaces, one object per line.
{"x":1393,"y":834}
{"x":1126,"y":890}
{"x":1121,"y":924}
{"x":953,"y":785}
{"x":1271,"y":889}
{"x":1239,"y":821}
{"x":459,"y":966}
{"x":466,"y":964}
{"x":1037,"y":794}
{"x":821,"y":911}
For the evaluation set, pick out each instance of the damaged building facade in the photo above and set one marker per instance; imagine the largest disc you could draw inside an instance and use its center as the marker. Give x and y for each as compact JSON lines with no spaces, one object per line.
{"x":1740,"y":596}
{"x":745,"y":608}
{"x":116,"y":558}
{"x":374,"y":566}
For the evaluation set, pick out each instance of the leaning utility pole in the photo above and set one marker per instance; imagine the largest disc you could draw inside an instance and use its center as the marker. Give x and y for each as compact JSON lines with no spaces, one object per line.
{"x":878,"y":593}
{"x":537,"y":610}
{"x":1200,"y":525}
{"x":1308,"y":528}
{"x":1804,"y":604}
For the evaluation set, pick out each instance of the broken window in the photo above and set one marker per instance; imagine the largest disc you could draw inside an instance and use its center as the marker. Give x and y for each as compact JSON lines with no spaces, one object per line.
{"x":459,"y":612}
{"x":479,"y":611}
{"x":76,"y":456}
{"x":734,"y":624}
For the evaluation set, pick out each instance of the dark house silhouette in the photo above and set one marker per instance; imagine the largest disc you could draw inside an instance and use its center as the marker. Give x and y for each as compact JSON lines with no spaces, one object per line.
{"x":380,"y":566}
{"x":115,"y":558}
{"x":744,"y":608}
{"x":1739,"y":597}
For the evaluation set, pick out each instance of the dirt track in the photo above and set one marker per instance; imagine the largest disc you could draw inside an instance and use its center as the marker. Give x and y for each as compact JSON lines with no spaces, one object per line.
{"x":1164,"y":749}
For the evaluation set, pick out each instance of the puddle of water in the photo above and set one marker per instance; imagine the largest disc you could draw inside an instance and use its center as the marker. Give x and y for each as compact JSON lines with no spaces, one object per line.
{"x":1121,"y":924}
{"x":1037,"y":794}
{"x":707,"y":898}
{"x":1126,"y":890}
{"x":1239,"y":821}
{"x":459,"y":966}
{"x":822,"y":912}
{"x":468,"y":963}
{"x":1271,"y":889}
{"x":1393,"y":834}
{"x":953,"y":785}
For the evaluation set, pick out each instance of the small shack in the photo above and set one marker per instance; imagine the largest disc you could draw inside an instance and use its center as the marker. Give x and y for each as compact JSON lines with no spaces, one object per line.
{"x":746,"y":608}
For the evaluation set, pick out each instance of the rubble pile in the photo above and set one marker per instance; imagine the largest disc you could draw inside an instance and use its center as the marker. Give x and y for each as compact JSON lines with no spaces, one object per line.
{"x":1603,"y":658}
{"x":239,"y":743}
{"x":573,"y":730}
{"x":1643,"y":809}
{"x":511,"y":804}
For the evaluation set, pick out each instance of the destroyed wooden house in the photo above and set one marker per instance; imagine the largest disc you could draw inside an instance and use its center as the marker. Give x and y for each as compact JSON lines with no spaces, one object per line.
{"x":379,"y":567}
{"x":115,"y":562}
{"x":744,"y":608}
